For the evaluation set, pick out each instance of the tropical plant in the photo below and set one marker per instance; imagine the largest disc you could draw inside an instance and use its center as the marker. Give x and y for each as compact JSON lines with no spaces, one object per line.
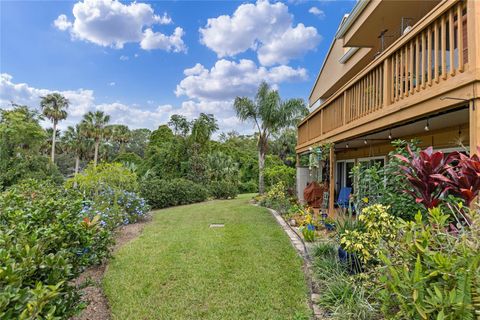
{"x":426,"y":172}
{"x":377,"y":226}
{"x":93,"y":126}
{"x":431,"y":273}
{"x":464,"y":177}
{"x":270,"y":114}
{"x":75,"y":143}
{"x":203,"y":127}
{"x":54,"y":107}
{"x":119,"y":133}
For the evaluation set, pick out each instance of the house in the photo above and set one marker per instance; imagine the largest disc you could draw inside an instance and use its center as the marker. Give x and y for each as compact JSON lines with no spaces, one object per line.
{"x":395,"y":70}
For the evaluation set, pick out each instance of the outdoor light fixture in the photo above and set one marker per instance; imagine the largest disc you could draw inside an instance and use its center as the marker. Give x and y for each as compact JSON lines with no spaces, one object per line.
{"x":390,"y":134}
{"x":347,"y":146}
{"x":365,"y":141}
{"x":427,"y":127}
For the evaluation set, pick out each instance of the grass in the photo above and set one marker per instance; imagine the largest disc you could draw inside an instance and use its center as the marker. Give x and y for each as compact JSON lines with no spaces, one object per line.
{"x":179,"y":268}
{"x":341,"y":296}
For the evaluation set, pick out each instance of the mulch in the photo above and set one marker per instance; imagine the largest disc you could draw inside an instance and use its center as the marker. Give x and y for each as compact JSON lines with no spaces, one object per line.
{"x":90,"y":281}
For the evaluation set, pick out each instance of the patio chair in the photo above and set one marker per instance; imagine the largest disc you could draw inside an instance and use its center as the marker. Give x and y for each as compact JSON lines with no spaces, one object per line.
{"x":343,"y":200}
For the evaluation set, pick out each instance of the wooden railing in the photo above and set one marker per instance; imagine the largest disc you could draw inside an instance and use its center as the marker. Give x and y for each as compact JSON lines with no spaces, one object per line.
{"x":433,"y":51}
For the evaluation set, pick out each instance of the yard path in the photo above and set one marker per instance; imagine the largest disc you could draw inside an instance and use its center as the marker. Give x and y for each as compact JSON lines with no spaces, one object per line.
{"x":180,"y":268}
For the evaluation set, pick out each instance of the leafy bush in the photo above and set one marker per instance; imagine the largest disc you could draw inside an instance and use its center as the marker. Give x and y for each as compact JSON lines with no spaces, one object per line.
{"x":223,"y":190}
{"x":109,"y":190}
{"x":166,"y":193}
{"x":383,"y":184}
{"x":431,"y":273}
{"x":45,"y":241}
{"x":276,"y":198}
{"x":248,"y":187}
{"x":104,"y":177}
{"x":377,"y":226}
{"x":280,"y":173}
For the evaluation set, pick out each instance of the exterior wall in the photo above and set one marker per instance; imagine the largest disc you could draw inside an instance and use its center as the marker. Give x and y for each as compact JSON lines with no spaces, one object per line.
{"x":335,"y":74}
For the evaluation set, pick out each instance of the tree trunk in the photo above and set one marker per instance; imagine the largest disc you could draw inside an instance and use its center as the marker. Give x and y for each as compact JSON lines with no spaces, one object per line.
{"x":95,"y":156}
{"x":54,"y":136}
{"x":77,"y":164}
{"x":261,"y":166}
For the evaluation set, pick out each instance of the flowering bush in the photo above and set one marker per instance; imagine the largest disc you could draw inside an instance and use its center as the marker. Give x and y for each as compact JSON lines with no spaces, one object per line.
{"x":46,"y":240}
{"x":276,"y":198}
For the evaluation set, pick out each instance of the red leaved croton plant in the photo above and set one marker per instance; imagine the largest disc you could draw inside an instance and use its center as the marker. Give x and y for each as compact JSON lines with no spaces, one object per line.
{"x":434,"y":175}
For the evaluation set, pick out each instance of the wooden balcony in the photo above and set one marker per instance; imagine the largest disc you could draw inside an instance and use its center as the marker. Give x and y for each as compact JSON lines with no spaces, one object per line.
{"x":407,"y":80}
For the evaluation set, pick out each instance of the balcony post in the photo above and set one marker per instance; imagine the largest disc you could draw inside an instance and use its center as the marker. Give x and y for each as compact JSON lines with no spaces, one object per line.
{"x":473,"y":36}
{"x":387,"y":82}
{"x":331,"y":192}
{"x":474,"y":125}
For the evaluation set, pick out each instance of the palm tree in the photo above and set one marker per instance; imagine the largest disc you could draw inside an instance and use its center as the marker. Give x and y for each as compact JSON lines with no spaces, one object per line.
{"x":93,"y":126}
{"x":270,"y":114}
{"x":54,"y":107}
{"x":75,"y":142}
{"x":120,"y":134}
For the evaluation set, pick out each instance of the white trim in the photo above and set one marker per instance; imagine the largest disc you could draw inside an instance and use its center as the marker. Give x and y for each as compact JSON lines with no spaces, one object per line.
{"x":344,"y":169}
{"x":357,"y":9}
{"x":452,"y":149}
{"x":348,"y":55}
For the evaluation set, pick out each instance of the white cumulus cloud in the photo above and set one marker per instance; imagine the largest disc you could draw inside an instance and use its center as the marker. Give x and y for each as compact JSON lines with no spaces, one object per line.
{"x":110,"y":23}
{"x":81,"y":100}
{"x":258,"y":27}
{"x":157,"y":40}
{"x":317,"y":12}
{"x":134,"y":115}
{"x":62,"y":22}
{"x":228,"y":79}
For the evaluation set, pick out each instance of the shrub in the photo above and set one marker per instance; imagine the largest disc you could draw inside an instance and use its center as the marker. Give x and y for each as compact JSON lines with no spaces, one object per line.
{"x":45,"y":242}
{"x":377,"y":226}
{"x":166,"y":193}
{"x":109,"y":191}
{"x":276,"y":198}
{"x":223,"y":190}
{"x":280,"y":173}
{"x":432,"y":273}
{"x":248,"y":187}
{"x":105,"y":176}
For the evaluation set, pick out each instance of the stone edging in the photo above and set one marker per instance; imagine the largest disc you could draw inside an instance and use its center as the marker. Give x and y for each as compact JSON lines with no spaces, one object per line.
{"x":302,"y":250}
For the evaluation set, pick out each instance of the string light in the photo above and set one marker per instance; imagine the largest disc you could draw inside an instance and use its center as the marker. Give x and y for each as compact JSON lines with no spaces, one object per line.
{"x":365,"y":141}
{"x":347,"y":146}
{"x":427,"y":127}
{"x":390,"y":134}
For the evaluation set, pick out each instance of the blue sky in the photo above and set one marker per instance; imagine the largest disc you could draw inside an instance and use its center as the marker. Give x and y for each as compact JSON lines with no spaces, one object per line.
{"x":143,"y":61}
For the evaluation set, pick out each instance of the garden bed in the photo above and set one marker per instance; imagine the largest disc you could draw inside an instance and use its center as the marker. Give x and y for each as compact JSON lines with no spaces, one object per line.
{"x":90,"y":281}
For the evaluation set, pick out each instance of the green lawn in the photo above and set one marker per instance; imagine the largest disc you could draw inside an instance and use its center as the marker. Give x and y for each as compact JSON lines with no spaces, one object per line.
{"x":179,"y":268}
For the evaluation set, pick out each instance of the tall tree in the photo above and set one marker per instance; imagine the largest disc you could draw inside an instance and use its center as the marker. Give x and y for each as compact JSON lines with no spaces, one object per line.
{"x":54,"y":107}
{"x":203,"y":128}
{"x":121,"y":134}
{"x":179,"y":124}
{"x":93,"y":126}
{"x":270,"y":114}
{"x":76,"y":143}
